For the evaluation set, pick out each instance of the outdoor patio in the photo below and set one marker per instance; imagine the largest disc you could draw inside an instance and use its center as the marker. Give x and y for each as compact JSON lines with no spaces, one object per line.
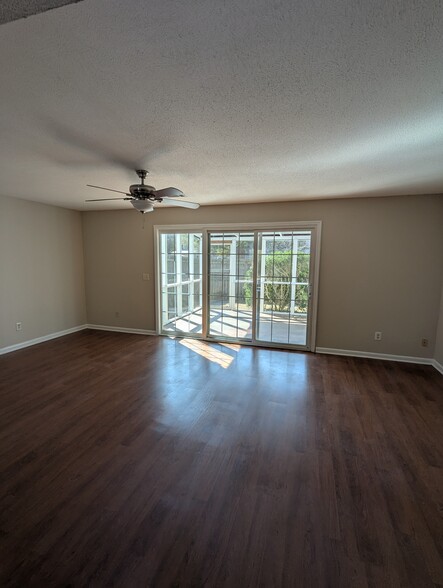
{"x":272,"y":328}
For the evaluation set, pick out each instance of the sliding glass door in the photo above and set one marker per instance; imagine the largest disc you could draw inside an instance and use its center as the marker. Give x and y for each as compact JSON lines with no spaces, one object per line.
{"x":231,"y":267}
{"x":247,"y":285}
{"x":282,"y":287}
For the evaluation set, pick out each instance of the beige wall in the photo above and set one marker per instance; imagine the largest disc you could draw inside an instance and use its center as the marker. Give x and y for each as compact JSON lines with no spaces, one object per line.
{"x":41,"y":270}
{"x":381,"y":266}
{"x":439,"y":337}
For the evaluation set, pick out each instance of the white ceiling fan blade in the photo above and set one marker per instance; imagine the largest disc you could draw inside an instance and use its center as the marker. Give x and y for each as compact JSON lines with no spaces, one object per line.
{"x":108,"y":189}
{"x":183,"y":203}
{"x":106,"y":199}
{"x":169,"y":192}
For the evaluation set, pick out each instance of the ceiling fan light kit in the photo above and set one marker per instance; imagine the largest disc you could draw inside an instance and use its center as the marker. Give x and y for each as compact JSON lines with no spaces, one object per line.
{"x":142,"y":206}
{"x":142,"y":197}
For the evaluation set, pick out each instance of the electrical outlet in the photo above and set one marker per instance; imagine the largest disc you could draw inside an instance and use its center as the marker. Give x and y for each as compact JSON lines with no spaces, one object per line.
{"x":377,"y":336}
{"x":146,"y":277}
{"x":117,"y":314}
{"x":18,"y":326}
{"x":424,"y":342}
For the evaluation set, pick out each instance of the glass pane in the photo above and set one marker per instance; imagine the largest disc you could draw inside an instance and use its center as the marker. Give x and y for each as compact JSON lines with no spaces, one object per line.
{"x":185,"y":304}
{"x":297,"y":330}
{"x":171,"y":264}
{"x":230,"y":284}
{"x":181,"y":268}
{"x":184,"y":242}
{"x":170,"y":240}
{"x":283,"y":278}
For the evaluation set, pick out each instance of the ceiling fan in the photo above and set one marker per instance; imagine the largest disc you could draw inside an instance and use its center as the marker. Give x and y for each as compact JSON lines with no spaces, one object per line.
{"x":143,"y":197}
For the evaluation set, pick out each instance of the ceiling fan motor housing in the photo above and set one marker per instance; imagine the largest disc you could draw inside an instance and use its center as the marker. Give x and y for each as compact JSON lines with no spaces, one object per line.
{"x":141,"y":191}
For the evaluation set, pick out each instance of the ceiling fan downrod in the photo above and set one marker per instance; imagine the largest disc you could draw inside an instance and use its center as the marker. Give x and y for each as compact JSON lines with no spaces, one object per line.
{"x":142,"y":173}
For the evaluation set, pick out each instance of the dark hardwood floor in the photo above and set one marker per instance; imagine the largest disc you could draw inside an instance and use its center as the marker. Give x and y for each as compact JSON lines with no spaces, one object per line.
{"x":136,"y":461}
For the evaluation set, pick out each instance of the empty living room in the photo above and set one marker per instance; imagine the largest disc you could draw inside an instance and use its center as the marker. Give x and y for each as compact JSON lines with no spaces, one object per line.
{"x":221,"y":294}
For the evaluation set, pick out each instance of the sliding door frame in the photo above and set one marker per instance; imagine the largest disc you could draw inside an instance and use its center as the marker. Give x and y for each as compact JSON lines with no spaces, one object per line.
{"x":205,"y":229}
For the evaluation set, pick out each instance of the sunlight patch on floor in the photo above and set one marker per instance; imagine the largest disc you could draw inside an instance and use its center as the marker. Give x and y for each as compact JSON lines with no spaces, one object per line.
{"x":233,"y":346}
{"x":208,"y":352}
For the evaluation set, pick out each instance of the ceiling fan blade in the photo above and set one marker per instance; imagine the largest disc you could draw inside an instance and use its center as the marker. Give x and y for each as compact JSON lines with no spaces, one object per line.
{"x":106,"y":199}
{"x":168,"y":192}
{"x":183,"y":203}
{"x":109,"y":189}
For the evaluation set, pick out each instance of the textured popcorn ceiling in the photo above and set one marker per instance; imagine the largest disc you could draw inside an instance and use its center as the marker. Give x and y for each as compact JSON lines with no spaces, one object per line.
{"x":245,"y":101}
{"x":15,"y":9}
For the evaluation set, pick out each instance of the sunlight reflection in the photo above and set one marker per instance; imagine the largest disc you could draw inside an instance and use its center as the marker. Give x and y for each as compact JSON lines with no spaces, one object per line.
{"x":378,"y":143}
{"x":232,"y":346}
{"x":208,"y":352}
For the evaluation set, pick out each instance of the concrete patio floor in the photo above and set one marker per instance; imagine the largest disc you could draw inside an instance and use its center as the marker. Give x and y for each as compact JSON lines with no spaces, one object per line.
{"x":272,"y":328}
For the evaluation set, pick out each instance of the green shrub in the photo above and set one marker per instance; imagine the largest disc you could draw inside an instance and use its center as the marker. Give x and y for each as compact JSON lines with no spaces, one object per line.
{"x":279,"y":268}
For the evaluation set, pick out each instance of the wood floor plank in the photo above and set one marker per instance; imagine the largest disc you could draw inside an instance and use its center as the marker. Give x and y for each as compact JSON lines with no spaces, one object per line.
{"x":145,"y":461}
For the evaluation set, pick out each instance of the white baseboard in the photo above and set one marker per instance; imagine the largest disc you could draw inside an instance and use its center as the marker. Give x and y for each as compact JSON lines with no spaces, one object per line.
{"x":437,"y":365}
{"x":384,"y":356}
{"x":121,"y":330}
{"x":30,"y":342}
